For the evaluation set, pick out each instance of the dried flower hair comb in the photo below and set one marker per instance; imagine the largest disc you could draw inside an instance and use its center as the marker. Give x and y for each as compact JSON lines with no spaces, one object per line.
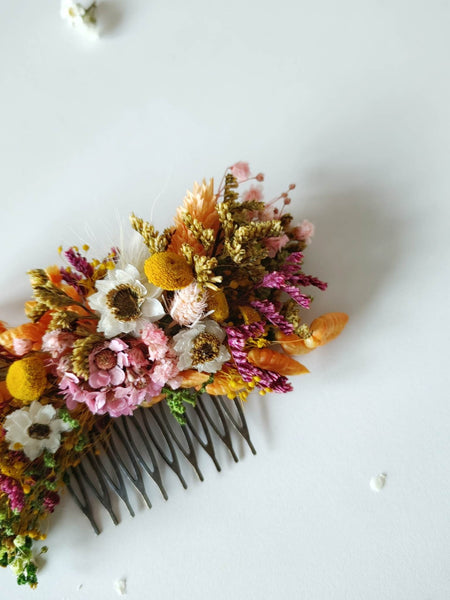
{"x":146,"y":356}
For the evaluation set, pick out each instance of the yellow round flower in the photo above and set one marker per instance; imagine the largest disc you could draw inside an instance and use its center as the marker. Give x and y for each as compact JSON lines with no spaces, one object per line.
{"x":26,"y":379}
{"x":168,"y":271}
{"x":218,"y":303}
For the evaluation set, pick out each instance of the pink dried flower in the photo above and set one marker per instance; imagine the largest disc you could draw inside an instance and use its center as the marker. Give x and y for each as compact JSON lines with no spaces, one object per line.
{"x":241,"y":171}
{"x":13,"y":490}
{"x":78,"y":262}
{"x":57,"y":342}
{"x":304,"y":232}
{"x":254,"y":193}
{"x":271,"y":312}
{"x":155,"y":339}
{"x":51,"y":500}
{"x":22,"y":347}
{"x":166,"y":371}
{"x":274,"y":244}
{"x":123,"y":373}
{"x":106,"y":364}
{"x":269,"y":213}
{"x":188,"y":305}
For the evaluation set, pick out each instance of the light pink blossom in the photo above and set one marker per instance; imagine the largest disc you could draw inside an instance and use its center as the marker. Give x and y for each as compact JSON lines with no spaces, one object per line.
{"x":22,"y":347}
{"x":254,"y":193}
{"x":156,"y":341}
{"x":123,"y":373}
{"x":57,"y":342}
{"x":274,"y":244}
{"x":304,"y":232}
{"x":241,"y":171}
{"x":166,"y":371}
{"x":269,"y":213}
{"x":188,"y":305}
{"x":106,"y":364}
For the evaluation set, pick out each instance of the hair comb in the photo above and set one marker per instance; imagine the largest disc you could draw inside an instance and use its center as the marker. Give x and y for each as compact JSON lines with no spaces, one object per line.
{"x":136,"y":364}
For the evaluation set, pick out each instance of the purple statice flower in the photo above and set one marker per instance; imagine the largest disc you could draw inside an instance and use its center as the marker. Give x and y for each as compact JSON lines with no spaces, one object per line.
{"x":50,"y":501}
{"x":289,"y":278}
{"x":305,"y":280}
{"x":271,"y":310}
{"x":114,"y":254}
{"x":291,"y":268}
{"x":78,"y":262}
{"x":73,"y":280}
{"x":237,"y":338}
{"x":13,"y":490}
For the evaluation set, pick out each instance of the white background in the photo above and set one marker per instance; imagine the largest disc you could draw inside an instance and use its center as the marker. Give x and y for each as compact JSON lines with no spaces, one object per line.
{"x":350,"y":100}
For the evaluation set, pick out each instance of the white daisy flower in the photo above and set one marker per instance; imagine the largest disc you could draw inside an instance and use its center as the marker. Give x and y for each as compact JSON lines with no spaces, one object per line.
{"x":34,"y":429}
{"x":124,"y":303}
{"x":200,"y":347}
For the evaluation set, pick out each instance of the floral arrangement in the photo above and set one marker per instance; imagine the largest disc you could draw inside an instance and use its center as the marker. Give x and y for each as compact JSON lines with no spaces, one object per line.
{"x":213,"y":304}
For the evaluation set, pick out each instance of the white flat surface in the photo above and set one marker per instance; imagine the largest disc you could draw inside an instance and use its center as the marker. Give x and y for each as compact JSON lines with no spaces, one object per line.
{"x":349,"y":99}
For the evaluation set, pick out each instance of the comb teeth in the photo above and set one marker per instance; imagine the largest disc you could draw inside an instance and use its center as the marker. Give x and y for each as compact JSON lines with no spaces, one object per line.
{"x":139,"y":443}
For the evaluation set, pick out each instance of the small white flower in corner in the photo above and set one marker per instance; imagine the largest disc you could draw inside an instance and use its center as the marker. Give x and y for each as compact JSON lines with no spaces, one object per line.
{"x":80,"y":16}
{"x":121,"y":586}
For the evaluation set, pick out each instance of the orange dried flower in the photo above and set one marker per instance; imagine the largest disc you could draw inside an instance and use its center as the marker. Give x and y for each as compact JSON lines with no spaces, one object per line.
{"x":201,"y":205}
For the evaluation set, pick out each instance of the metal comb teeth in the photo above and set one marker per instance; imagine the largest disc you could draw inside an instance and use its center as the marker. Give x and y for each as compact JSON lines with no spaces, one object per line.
{"x":140,"y":445}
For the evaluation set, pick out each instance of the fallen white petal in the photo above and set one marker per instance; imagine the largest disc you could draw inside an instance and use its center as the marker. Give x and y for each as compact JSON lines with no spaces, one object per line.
{"x":377,"y":482}
{"x":121,"y":586}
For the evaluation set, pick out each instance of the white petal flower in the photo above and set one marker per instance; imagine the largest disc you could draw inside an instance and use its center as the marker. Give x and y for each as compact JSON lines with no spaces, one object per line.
{"x":124,"y":303}
{"x":200,"y":347}
{"x":34,"y":429}
{"x":80,"y":16}
{"x":72,"y":12}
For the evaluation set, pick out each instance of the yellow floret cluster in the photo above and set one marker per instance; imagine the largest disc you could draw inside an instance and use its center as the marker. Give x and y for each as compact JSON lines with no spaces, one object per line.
{"x":26,"y":379}
{"x":168,"y":270}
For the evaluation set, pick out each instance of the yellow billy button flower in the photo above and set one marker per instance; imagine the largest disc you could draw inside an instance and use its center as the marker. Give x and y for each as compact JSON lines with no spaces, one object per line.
{"x":168,"y":271}
{"x":218,"y":303}
{"x":26,"y":379}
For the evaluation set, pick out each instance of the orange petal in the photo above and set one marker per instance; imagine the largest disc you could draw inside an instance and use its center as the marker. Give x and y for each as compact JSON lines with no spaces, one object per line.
{"x":54,"y":274}
{"x":28,"y":331}
{"x":291,"y":343}
{"x":153,"y":400}
{"x":193,"y":378}
{"x":201,"y":205}
{"x":326,"y":328}
{"x":227,"y":381}
{"x":4,"y":393}
{"x":265,"y":358}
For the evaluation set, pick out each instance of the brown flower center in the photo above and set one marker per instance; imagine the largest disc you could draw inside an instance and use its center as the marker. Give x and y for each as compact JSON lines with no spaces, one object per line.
{"x":38,"y":431}
{"x":205,"y":347}
{"x":124,"y":302}
{"x":105,"y":360}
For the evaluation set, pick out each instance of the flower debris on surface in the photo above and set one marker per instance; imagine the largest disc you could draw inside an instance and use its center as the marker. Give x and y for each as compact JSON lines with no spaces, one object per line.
{"x":214,"y":303}
{"x":80,"y":16}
